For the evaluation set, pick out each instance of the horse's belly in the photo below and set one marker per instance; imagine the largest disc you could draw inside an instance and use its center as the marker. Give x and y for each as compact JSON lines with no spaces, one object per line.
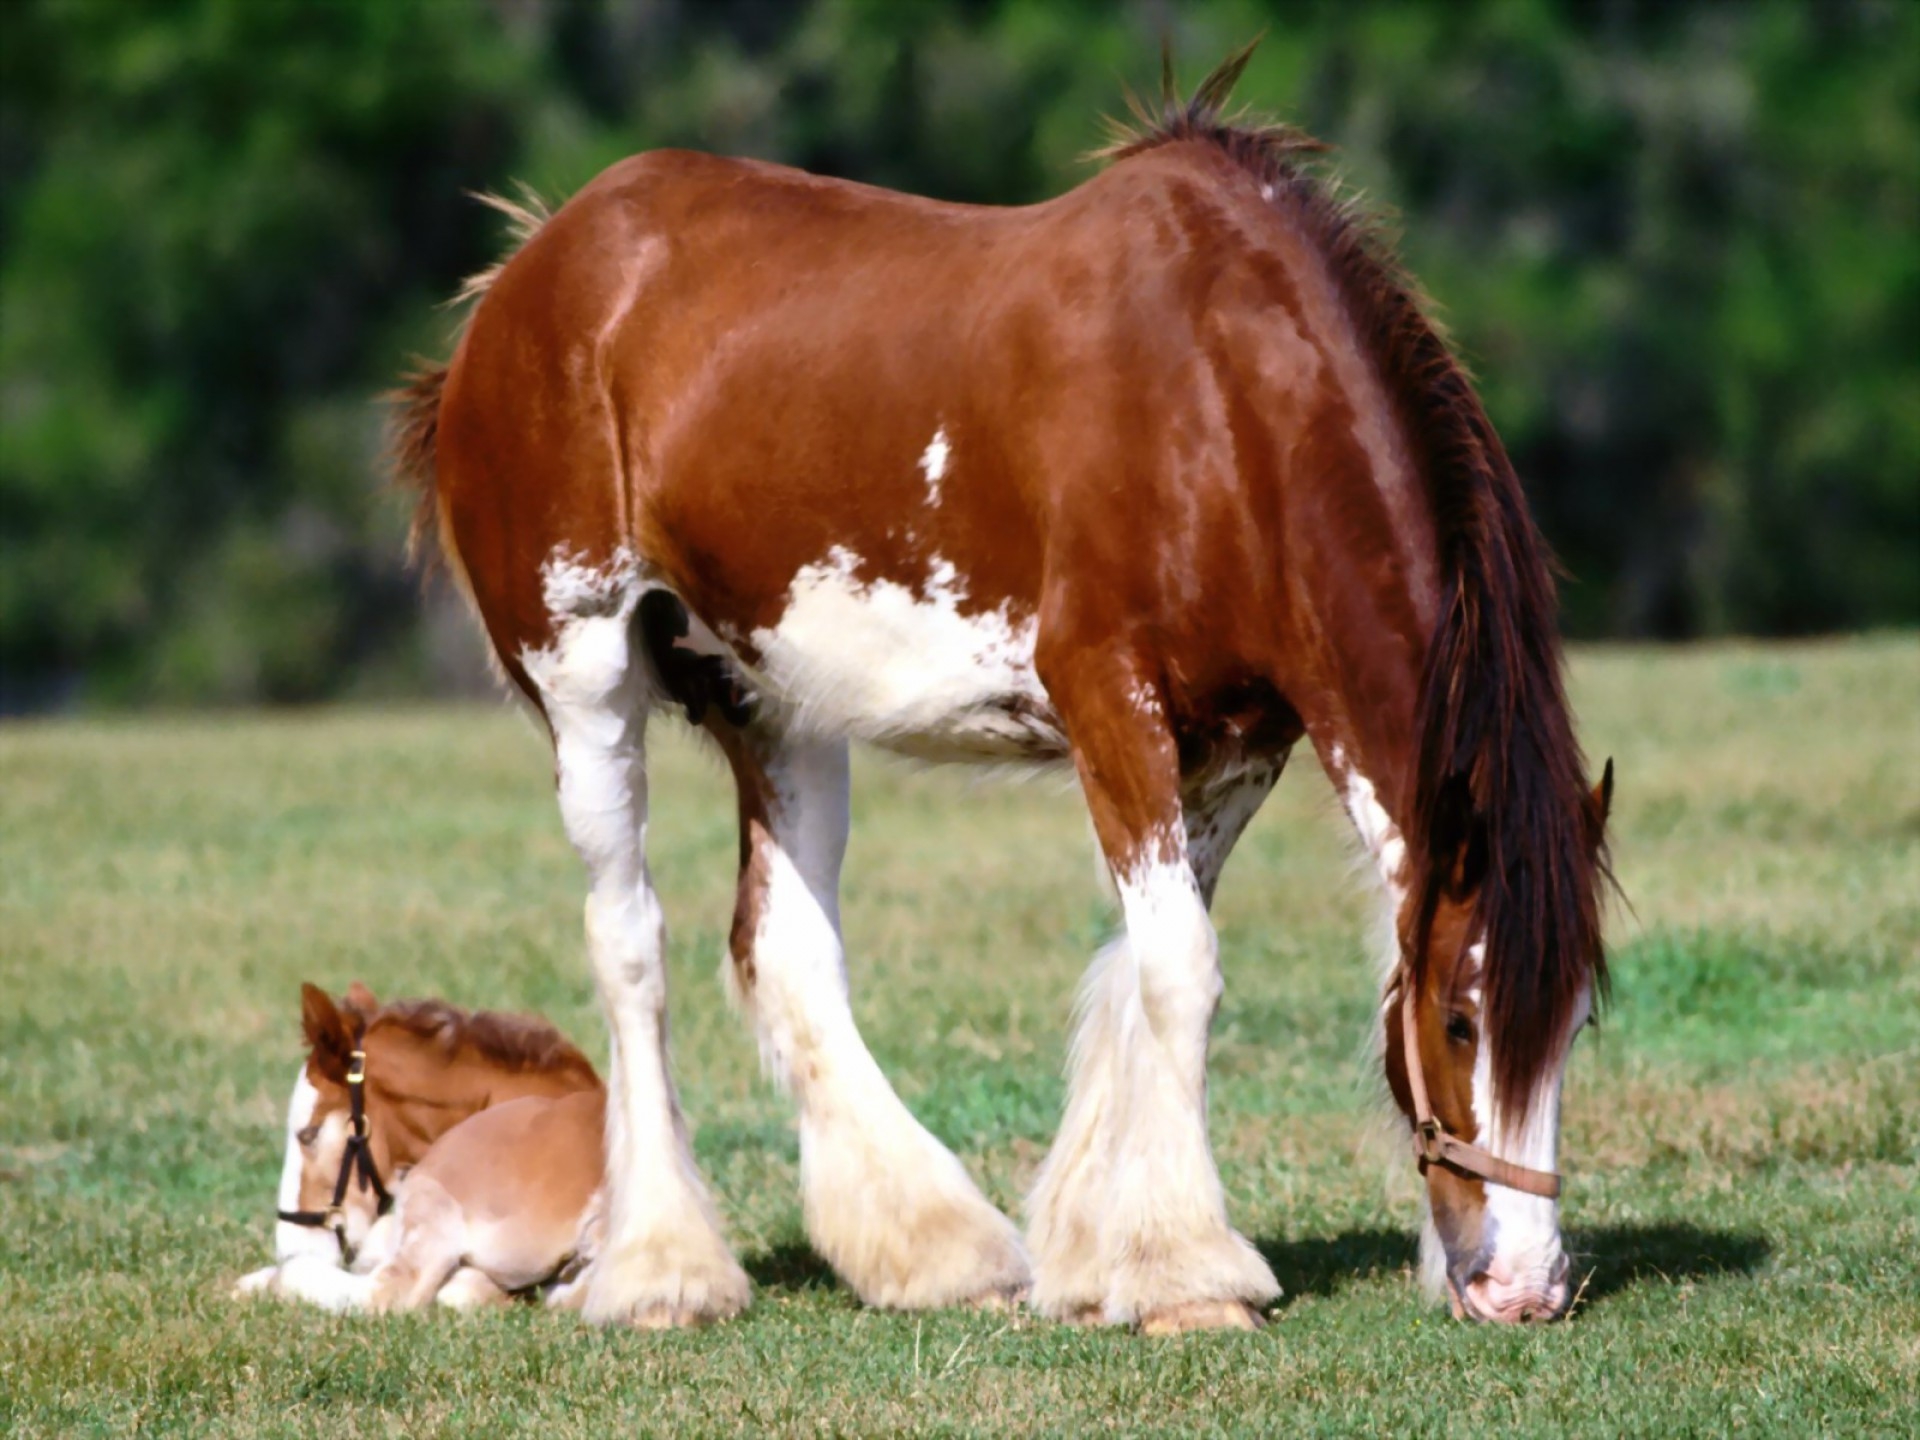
{"x":914,"y":670}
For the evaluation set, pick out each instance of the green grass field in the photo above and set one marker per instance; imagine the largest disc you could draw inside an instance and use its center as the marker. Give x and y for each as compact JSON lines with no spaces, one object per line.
{"x":1742,"y":1138}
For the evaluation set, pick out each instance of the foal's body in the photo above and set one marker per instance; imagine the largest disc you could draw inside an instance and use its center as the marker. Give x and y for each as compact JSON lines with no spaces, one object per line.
{"x":1120,"y":478}
{"x":505,"y":1202}
{"x":487,"y":1130}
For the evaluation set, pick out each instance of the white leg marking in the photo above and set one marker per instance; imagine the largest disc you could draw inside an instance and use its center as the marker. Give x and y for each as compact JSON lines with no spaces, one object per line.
{"x":1129,"y":1215}
{"x":319,"y":1282}
{"x":888,"y":1206}
{"x":470,"y":1289}
{"x":665,"y":1260}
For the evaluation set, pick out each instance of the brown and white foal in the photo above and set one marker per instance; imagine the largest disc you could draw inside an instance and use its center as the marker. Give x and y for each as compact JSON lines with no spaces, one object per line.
{"x":1154,"y":479}
{"x":485,"y":1128}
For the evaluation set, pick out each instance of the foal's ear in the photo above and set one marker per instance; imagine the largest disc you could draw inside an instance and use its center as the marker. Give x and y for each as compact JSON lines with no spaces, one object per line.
{"x":359,"y":999}
{"x":326,"y":1031}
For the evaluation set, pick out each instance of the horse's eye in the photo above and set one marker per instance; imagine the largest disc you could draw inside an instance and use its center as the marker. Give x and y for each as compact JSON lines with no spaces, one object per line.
{"x":307,"y":1136}
{"x":1459,"y":1030}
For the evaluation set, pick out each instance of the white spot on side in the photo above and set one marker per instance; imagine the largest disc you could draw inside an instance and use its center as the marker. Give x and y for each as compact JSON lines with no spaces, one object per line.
{"x":907,"y":670}
{"x":933,"y":463}
{"x":292,"y":1240}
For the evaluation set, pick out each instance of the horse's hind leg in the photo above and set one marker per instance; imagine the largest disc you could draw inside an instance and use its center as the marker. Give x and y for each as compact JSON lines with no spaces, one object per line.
{"x":886,"y":1204}
{"x":664,"y":1261}
{"x":1129,"y":1219}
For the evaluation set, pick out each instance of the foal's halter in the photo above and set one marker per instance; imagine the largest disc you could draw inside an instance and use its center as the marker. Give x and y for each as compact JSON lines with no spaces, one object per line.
{"x":1432,"y":1145}
{"x":356,"y":1158}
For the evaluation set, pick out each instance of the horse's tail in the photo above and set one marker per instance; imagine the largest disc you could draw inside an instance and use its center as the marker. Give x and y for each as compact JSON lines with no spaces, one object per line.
{"x":413,"y":458}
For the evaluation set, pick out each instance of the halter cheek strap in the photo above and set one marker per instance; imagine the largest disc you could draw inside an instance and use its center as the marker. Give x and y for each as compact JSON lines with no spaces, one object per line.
{"x":356,"y":1159}
{"x":1432,"y":1145}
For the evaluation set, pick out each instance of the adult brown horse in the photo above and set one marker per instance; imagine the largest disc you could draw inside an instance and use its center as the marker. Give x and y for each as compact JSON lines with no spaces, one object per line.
{"x":1158,"y":477}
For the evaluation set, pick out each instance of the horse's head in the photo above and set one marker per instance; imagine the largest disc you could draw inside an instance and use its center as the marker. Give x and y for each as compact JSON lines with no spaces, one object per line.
{"x":1475,"y":1058}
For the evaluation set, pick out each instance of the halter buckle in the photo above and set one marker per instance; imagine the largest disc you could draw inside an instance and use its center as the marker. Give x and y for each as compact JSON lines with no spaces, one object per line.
{"x":361,"y":1127}
{"x":357,"y":1068}
{"x":1426,"y":1142}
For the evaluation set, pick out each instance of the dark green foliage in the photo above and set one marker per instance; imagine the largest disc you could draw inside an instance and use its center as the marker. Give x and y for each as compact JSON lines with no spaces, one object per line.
{"x":1677,"y":241}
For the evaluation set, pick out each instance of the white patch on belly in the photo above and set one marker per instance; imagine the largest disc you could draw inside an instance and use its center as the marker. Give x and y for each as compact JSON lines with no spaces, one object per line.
{"x":292,"y":1240}
{"x":933,"y":463}
{"x":910,"y":671}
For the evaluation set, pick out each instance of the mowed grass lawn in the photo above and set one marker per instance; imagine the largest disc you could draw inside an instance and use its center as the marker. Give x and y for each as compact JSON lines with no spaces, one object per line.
{"x":1742,"y":1137}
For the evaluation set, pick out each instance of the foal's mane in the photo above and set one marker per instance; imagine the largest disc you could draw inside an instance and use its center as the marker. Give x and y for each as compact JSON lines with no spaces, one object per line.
{"x":1500,"y":802}
{"x":516,"y":1043}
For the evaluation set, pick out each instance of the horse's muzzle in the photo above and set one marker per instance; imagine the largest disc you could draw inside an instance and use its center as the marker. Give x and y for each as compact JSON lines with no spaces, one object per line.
{"x":1533,"y":1297}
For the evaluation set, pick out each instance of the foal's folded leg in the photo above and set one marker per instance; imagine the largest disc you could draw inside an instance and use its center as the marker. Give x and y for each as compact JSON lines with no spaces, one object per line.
{"x":471,"y":1289}
{"x":430,"y":1245}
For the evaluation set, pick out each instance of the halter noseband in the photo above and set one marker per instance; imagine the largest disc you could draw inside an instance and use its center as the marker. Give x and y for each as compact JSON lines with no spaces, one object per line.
{"x":1433,"y":1145}
{"x":356,"y":1158}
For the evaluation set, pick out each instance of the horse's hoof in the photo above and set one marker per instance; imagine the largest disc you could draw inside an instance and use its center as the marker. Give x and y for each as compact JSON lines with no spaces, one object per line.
{"x":1009,"y":1300}
{"x":669,"y":1317}
{"x":1200,"y":1315}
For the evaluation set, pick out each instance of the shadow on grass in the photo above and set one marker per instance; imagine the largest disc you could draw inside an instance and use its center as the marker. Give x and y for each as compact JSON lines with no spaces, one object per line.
{"x":792,"y":1267}
{"x":1326,"y":1264}
{"x":1619,"y":1256}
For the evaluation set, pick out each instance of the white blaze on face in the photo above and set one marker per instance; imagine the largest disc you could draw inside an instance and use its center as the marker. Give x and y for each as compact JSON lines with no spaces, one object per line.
{"x":1522,"y":1232}
{"x":292,"y":1240}
{"x":933,"y":463}
{"x":906,"y":669}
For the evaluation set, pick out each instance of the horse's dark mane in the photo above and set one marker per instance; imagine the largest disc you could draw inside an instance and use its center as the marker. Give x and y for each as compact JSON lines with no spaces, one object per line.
{"x":1499,"y":795}
{"x":514,"y":1042}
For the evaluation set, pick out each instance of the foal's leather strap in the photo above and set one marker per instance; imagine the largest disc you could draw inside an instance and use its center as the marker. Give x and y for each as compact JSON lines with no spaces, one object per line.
{"x":1432,"y":1145}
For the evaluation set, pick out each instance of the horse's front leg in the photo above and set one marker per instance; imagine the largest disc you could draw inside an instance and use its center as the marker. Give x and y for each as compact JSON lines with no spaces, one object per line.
{"x":1129,"y":1223}
{"x":886,"y":1204}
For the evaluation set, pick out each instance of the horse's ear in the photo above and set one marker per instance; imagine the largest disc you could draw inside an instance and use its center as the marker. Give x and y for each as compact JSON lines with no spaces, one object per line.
{"x":1598,"y":805}
{"x":326,"y":1031}
{"x":359,"y":999}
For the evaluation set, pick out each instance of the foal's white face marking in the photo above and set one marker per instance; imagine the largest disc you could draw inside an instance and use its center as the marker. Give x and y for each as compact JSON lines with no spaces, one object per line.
{"x":933,"y":463}
{"x":292,"y":1240}
{"x":905,"y":669}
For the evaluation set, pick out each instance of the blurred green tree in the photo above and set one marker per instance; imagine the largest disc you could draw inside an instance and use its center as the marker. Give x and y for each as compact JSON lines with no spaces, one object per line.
{"x":1677,"y":240}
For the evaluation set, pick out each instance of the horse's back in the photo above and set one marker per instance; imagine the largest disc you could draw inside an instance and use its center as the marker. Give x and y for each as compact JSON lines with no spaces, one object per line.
{"x":857,"y":431}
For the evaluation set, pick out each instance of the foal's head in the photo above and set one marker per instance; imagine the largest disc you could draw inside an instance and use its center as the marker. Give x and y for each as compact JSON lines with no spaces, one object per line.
{"x":427,"y":1066}
{"x":319,"y":1122}
{"x":1485,"y":1018}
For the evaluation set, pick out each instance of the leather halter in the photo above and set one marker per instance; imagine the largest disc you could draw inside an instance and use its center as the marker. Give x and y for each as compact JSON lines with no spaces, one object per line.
{"x":357,"y":1158}
{"x":1432,"y":1144}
